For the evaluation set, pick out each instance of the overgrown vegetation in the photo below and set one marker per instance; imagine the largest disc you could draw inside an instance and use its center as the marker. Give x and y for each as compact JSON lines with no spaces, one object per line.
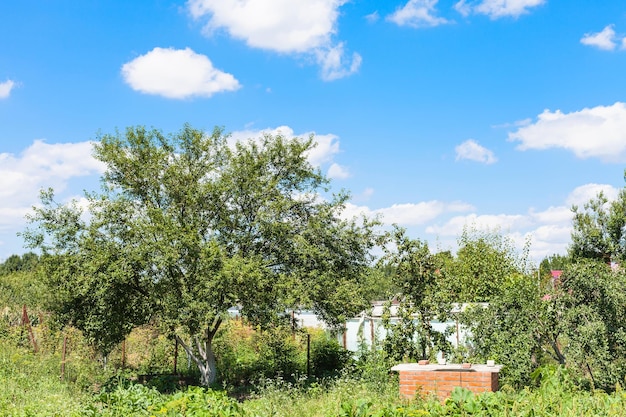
{"x":126,"y":311}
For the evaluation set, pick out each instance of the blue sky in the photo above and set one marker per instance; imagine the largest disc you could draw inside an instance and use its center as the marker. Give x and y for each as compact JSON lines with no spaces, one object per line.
{"x":433,"y":114}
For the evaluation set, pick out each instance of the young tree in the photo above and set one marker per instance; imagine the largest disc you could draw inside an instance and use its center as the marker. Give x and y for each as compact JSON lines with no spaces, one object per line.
{"x":593,"y":322}
{"x":599,"y":229}
{"x":186,"y":227}
{"x":415,"y":272}
{"x":484,"y":261}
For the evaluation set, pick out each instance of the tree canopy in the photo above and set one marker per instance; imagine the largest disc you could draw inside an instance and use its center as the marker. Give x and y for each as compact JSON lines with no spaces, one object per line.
{"x":599,"y":229}
{"x":188,"y":225}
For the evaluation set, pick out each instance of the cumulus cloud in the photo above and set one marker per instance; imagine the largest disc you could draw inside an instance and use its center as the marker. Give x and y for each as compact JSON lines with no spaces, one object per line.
{"x":606,"y":39}
{"x":44,"y":165}
{"x":552,"y":215}
{"x":580,"y":195}
{"x":497,"y":8}
{"x":323,"y":154}
{"x":5,"y":88}
{"x":472,"y":151}
{"x":504,"y":222}
{"x":333,"y":63}
{"x":549,"y":230}
{"x":597,"y":132}
{"x":41,"y":165}
{"x":409,"y":214}
{"x":441,"y":223}
{"x":336,"y":171}
{"x":417,"y":13}
{"x":284,"y":26}
{"x":176,"y":73}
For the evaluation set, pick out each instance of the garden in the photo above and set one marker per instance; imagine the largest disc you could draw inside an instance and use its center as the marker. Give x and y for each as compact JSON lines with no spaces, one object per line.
{"x":124,"y":307}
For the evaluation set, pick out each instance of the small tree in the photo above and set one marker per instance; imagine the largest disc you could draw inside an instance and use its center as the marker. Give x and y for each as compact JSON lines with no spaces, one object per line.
{"x":415,"y":271}
{"x":599,"y":229}
{"x":186,"y":227}
{"x":484,"y":262}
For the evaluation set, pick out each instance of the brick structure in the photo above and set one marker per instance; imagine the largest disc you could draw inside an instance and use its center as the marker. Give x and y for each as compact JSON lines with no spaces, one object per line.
{"x":425,"y":379}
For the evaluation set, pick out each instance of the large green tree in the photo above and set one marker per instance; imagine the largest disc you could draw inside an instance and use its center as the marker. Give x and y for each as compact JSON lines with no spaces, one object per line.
{"x":187,"y":226}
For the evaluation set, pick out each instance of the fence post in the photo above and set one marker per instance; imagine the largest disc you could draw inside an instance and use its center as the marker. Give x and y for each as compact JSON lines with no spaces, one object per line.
{"x":175,"y":355}
{"x":372,"y":333}
{"x":26,"y":324}
{"x":308,"y":355}
{"x":124,"y":354}
{"x":63,"y":352}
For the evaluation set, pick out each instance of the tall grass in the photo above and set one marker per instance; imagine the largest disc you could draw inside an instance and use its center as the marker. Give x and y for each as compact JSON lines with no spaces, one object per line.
{"x":30,"y":385}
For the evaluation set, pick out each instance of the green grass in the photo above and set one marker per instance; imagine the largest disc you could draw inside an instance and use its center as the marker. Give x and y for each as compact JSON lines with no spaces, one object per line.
{"x":30,"y":387}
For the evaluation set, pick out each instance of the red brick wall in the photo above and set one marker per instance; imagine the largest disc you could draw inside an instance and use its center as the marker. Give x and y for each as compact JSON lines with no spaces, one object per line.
{"x":441,"y":382}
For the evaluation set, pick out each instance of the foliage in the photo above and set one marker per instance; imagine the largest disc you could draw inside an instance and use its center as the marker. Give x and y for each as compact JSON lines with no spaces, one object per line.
{"x":599,"y":229}
{"x":21,"y":288}
{"x":186,"y":227}
{"x":248,"y":354}
{"x":484,"y":262}
{"x":379,"y":283}
{"x":30,"y":385}
{"x":553,"y":262}
{"x":513,"y":329}
{"x":578,"y":324}
{"x":417,"y":275}
{"x":328,"y":357}
{"x":17,"y":263}
{"x":593,"y":322}
{"x":139,"y":400}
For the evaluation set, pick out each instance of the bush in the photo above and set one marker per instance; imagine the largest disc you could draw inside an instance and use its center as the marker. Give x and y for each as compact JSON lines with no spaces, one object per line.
{"x":328,"y":357}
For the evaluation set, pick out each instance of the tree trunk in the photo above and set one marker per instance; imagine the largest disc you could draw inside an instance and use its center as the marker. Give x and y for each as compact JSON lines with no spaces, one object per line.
{"x":203,"y":356}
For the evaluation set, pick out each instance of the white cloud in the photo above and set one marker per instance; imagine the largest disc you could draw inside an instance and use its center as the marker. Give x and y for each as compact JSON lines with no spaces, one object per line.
{"x":409,"y":214}
{"x":549,"y":240}
{"x":549,"y":230}
{"x":278,"y":25}
{"x":44,"y":165}
{"x":333,"y":63}
{"x":41,"y":165}
{"x":471,"y":150}
{"x":373,"y":17}
{"x":598,"y":132}
{"x":607,"y":39}
{"x":552,"y":215}
{"x":504,"y":222}
{"x":5,"y":88}
{"x":584,"y":193}
{"x":284,"y":26}
{"x":497,"y":8}
{"x":367,"y":193}
{"x":176,"y":73}
{"x":417,"y":13}
{"x":324,"y":152}
{"x":336,"y":171}
{"x":549,"y":233}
